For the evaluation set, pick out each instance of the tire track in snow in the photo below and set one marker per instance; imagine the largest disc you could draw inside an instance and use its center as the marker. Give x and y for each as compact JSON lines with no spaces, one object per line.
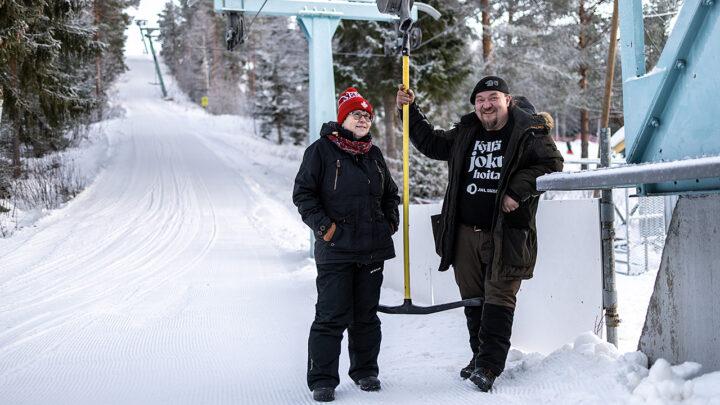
{"x":93,"y":277}
{"x":146,"y":260}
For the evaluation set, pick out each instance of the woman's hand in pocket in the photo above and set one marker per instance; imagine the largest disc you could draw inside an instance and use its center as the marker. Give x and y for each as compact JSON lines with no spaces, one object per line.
{"x":329,"y":234}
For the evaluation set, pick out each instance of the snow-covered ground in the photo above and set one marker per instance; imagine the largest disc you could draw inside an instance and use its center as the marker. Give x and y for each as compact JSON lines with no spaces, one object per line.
{"x":180,"y":276}
{"x":53,"y":178}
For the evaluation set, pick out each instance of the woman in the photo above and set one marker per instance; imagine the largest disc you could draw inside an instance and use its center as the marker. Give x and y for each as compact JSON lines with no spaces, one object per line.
{"x":345,"y":194}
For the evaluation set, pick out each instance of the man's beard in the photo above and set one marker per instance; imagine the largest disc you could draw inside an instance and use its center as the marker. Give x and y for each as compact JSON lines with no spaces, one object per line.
{"x":489,"y":120}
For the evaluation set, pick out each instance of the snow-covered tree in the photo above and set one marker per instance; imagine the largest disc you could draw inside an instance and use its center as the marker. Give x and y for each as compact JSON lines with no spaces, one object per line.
{"x":170,"y":23}
{"x":194,"y":50}
{"x":555,"y":53}
{"x":110,"y":22}
{"x":44,"y":52}
{"x":280,"y":101}
{"x":659,"y":15}
{"x":438,"y":70}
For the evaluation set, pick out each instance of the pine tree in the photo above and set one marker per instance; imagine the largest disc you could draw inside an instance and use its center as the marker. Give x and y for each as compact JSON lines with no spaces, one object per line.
{"x":281,"y":79}
{"x":110,"y":22}
{"x":170,"y":23}
{"x":532,"y":53}
{"x":44,"y":47}
{"x":438,"y":70}
{"x":555,"y":53}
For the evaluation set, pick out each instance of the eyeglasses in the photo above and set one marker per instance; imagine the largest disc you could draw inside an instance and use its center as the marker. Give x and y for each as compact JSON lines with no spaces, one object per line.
{"x":358,"y":114}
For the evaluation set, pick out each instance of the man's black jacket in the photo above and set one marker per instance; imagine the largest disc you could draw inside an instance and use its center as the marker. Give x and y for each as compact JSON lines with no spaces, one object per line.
{"x":531,"y":152}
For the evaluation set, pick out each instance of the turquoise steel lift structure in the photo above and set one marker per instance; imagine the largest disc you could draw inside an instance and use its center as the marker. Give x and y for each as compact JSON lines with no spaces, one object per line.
{"x":146,"y":32}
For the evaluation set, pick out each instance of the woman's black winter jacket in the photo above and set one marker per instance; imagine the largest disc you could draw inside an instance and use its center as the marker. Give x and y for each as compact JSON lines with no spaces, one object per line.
{"x":355,"y":192}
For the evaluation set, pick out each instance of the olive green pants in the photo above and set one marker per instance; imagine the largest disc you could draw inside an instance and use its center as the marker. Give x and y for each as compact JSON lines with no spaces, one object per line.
{"x":489,"y":326}
{"x":473,"y":255}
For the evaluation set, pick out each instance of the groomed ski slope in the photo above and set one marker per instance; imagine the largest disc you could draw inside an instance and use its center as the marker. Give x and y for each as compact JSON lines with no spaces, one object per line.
{"x":181,"y":277}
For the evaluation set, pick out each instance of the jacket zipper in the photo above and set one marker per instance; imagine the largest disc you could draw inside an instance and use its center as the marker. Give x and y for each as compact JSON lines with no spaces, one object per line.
{"x":382,"y":175}
{"x":506,"y":179}
{"x":337,"y":173}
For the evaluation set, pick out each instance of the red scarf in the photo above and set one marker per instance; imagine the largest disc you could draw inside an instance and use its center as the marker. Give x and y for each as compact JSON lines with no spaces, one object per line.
{"x":351,"y":147}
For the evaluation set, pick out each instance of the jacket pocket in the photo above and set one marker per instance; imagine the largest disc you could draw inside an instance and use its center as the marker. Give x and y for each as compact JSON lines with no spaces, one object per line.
{"x":519,"y":247}
{"x":342,"y":239}
{"x":519,"y":218}
{"x":435,"y":221}
{"x":382,"y":233}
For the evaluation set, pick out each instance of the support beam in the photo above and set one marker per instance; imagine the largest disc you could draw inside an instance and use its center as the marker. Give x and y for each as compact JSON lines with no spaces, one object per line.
{"x":607,"y":223}
{"x":633,"y":175}
{"x":348,"y":10}
{"x":673,"y":64}
{"x":319,"y":32}
{"x":632,"y":39}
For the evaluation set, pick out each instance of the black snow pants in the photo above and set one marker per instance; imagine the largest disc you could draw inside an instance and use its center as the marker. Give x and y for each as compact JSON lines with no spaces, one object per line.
{"x":348,"y":296}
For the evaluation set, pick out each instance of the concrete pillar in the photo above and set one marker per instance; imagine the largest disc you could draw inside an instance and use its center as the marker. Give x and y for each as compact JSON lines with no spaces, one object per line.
{"x":683,"y":317}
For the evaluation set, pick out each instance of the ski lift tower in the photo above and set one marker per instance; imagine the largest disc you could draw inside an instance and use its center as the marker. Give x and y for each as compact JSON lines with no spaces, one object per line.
{"x":147,"y":32}
{"x":319,"y":19}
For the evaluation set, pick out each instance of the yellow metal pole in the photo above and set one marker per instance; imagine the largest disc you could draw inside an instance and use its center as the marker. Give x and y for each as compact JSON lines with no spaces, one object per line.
{"x":406,"y":178}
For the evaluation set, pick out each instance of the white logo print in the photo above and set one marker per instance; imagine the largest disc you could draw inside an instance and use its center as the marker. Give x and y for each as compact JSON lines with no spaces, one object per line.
{"x":347,"y":96}
{"x":364,"y":104}
{"x":491,"y":83}
{"x":488,"y":161}
{"x":485,"y":164}
{"x":375,"y":270}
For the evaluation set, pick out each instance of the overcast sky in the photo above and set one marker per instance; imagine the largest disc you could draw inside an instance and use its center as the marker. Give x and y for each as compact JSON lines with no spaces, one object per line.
{"x":148,"y":10}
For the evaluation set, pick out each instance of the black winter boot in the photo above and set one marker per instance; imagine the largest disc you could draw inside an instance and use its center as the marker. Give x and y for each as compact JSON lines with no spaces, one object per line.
{"x":483,"y":378}
{"x":324,"y":394}
{"x":466,"y":371}
{"x":370,"y":383}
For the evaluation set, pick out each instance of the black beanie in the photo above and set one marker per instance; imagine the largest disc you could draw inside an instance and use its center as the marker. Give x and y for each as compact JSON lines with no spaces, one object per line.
{"x":489,"y":83}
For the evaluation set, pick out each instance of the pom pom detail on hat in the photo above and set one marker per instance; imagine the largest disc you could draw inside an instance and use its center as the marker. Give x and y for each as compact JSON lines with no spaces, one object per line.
{"x":349,"y":101}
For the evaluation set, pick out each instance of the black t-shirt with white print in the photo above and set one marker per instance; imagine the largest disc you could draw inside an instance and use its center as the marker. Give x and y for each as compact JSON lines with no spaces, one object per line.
{"x":480,"y":177}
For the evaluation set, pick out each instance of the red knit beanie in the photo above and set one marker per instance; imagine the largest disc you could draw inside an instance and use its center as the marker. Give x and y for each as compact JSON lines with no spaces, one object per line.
{"x":349,"y":101}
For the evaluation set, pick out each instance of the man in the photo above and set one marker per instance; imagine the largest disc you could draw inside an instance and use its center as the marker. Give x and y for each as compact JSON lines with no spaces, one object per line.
{"x":486,"y":230}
